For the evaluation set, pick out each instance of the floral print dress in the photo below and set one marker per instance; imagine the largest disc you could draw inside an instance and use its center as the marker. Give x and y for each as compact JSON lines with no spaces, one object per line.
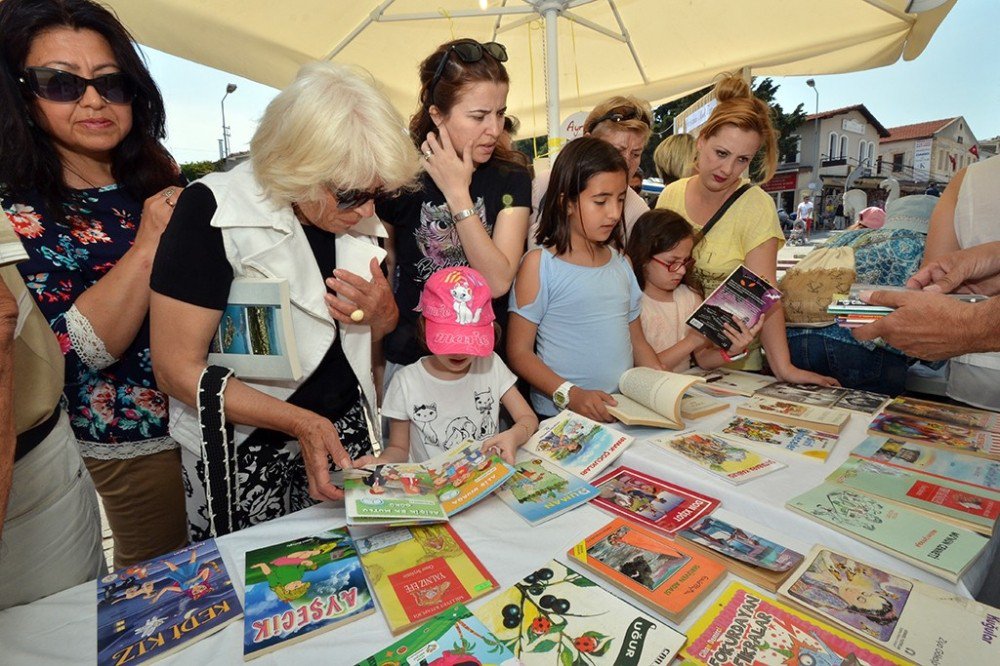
{"x":114,"y":406}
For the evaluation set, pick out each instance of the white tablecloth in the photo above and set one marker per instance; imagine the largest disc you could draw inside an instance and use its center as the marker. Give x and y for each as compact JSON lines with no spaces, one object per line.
{"x":62,"y":629}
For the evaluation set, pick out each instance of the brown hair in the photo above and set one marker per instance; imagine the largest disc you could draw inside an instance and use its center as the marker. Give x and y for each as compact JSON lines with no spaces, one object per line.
{"x":738,"y":106}
{"x":656,"y":230}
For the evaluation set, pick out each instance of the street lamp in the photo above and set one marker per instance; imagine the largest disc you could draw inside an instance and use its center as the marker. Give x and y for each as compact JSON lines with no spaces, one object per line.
{"x":816,"y":185}
{"x":224,"y":146}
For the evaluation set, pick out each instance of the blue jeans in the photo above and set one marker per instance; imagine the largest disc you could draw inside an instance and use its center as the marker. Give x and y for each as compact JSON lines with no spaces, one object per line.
{"x":853,"y":365}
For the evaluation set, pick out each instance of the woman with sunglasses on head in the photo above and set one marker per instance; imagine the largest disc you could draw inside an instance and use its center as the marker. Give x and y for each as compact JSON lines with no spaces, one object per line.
{"x":301,"y":210}
{"x":747,"y":232}
{"x":473,"y":203}
{"x":89,"y":188}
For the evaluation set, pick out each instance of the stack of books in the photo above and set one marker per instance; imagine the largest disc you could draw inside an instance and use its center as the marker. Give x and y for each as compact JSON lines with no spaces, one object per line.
{"x":853,"y":312}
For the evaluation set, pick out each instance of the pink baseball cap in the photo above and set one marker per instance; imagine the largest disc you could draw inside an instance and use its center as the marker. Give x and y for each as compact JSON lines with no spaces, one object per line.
{"x":458,"y":312}
{"x":872,"y":217}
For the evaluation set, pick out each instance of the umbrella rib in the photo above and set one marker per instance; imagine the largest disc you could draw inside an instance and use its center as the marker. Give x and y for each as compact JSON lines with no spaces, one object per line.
{"x":628,"y":40}
{"x":374,"y":16}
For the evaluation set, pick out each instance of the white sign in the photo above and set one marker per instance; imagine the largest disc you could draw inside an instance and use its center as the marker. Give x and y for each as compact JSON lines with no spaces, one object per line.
{"x":572,"y":126}
{"x":922,"y":159}
{"x":851,"y":125}
{"x":699,"y":116}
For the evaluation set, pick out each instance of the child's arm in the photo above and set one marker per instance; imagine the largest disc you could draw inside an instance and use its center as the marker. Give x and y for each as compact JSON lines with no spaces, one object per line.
{"x":682,"y":350}
{"x":739,"y":335}
{"x":398,"y":449}
{"x":510,"y":440}
{"x":643,"y":355}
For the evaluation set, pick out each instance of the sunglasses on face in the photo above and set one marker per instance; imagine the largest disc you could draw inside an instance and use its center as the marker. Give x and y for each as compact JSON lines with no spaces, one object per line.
{"x":675,"y":266}
{"x":468,"y":51}
{"x":56,"y":85}
{"x":347,"y":199}
{"x":620,"y":115}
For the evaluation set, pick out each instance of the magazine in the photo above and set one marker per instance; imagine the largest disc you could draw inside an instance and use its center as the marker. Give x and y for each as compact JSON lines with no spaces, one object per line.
{"x":852,"y":400}
{"x":937,"y":434}
{"x":157,"y":607}
{"x":724,"y":459}
{"x":556,"y":616}
{"x":810,"y":444}
{"x":651,"y":398}
{"x":538,"y":491}
{"x":417,"y":572}
{"x":577,"y":444}
{"x":933,"y":545}
{"x":300,"y":588}
{"x":978,"y":419}
{"x":725,"y":382}
{"x":668,"y":575}
{"x":894,"y":612}
{"x":744,"y":627}
{"x":744,"y":295}
{"x":830,"y":421}
{"x":970,"y":470}
{"x":650,"y":501}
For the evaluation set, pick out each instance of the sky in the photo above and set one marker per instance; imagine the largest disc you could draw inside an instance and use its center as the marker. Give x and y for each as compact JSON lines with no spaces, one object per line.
{"x":958,"y":74}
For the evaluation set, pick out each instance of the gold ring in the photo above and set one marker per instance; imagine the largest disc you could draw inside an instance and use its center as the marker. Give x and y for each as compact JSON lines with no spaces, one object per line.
{"x":357,"y":315}
{"x":169,"y":193}
{"x":170,"y":203}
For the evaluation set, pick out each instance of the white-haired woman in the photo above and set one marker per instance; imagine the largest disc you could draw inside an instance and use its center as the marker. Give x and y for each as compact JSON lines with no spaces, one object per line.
{"x":301,"y":210}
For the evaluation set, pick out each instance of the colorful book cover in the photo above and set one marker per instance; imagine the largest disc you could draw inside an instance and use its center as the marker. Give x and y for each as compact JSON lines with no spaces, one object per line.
{"x":724,"y":459}
{"x":538,"y":491}
{"x":666,"y":574}
{"x":941,"y":548}
{"x":826,"y":396}
{"x":811,"y":444}
{"x":742,"y":545}
{"x":894,"y":612}
{"x":152,"y":609}
{"x":721,"y":381}
{"x":978,"y":508}
{"x":935,"y":433}
{"x":650,"y":501}
{"x":300,"y":588}
{"x":967,"y":417}
{"x":556,"y":616}
{"x":950,"y":465}
{"x":745,"y":628}
{"x":465,"y":475}
{"x":830,"y":421}
{"x":454,"y":638}
{"x":577,"y":444}
{"x":417,"y":572}
{"x":743,"y":295}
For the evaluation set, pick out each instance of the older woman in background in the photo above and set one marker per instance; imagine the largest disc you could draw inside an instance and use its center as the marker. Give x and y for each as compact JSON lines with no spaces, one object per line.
{"x":301,"y":210}
{"x":675,"y":157}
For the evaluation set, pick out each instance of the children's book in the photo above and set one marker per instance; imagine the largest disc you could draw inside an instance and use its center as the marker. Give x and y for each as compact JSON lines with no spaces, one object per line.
{"x":978,"y":419}
{"x":729,"y":462}
{"x":725,"y":382}
{"x":538,"y":491}
{"x":417,"y":572}
{"x":668,"y":575}
{"x":456,"y":637}
{"x":782,"y":439}
{"x":300,"y":588}
{"x":696,"y":406}
{"x":255,"y":336}
{"x":744,"y":627}
{"x":651,"y":398}
{"x":155,"y":608}
{"x":937,"y":434}
{"x":421,"y":493}
{"x":577,"y":444}
{"x":826,"y":396}
{"x":950,"y":465}
{"x":556,"y":616}
{"x":830,"y":421}
{"x":753,"y":557}
{"x":653,"y":502}
{"x":743,"y":295}
{"x":917,"y":621}
{"x":976,"y":509}
{"x":933,"y":545}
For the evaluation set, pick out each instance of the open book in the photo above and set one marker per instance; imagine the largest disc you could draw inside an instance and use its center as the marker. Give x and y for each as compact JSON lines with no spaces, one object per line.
{"x":651,"y":398}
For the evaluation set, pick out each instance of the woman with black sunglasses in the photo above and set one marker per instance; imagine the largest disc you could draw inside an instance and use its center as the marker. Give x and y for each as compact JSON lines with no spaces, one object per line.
{"x":86,"y":183}
{"x":473,"y":204}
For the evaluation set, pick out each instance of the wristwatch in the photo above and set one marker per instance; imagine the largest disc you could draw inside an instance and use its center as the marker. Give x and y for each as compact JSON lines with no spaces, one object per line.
{"x":462,"y":214}
{"x":561,"y":395}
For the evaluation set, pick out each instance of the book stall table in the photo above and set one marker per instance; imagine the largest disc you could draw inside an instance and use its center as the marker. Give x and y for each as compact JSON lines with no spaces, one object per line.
{"x":62,"y":628}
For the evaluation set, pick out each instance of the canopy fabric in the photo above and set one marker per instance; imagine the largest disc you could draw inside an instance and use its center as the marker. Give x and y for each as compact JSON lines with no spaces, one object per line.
{"x":655,"y":49}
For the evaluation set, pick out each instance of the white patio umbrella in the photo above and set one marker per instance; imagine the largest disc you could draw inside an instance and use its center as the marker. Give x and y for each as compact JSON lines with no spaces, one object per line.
{"x":565,"y":55}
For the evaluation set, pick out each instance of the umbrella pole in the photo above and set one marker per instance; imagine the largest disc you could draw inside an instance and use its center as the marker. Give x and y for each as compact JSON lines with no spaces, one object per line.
{"x":550,"y":12}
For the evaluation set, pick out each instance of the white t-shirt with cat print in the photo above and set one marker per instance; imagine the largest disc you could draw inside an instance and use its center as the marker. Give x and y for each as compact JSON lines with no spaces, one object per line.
{"x":443,"y":413}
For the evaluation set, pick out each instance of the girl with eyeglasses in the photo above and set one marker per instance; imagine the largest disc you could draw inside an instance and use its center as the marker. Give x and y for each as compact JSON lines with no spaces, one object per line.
{"x":659,"y":248}
{"x":472,"y":205}
{"x":86,"y":183}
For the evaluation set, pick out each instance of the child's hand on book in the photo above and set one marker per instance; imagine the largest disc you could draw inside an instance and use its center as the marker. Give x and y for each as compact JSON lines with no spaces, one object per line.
{"x":592,"y":404}
{"x":504,"y":444}
{"x":739,"y":335}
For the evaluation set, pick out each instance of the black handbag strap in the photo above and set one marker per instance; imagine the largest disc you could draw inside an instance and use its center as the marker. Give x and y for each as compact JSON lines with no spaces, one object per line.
{"x":722,"y":211}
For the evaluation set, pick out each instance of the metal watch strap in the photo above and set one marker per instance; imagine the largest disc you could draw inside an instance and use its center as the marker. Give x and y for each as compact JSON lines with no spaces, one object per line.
{"x":462,"y":214}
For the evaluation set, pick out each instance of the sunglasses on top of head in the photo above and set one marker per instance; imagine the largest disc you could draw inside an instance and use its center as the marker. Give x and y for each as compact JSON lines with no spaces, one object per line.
{"x":56,"y":85}
{"x":468,"y":51}
{"x":620,"y":115}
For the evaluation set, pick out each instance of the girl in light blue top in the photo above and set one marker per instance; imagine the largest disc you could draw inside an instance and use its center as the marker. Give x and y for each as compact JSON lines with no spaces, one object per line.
{"x":574,"y":325}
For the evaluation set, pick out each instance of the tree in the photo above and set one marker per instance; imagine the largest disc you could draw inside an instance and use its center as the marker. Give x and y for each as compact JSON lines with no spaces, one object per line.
{"x":195,"y":170}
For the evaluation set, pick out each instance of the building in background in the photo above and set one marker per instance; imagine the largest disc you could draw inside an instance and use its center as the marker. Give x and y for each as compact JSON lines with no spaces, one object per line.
{"x":929,"y":152}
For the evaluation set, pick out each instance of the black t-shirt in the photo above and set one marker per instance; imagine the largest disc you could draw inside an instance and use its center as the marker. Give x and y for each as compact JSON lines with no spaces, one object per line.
{"x":427,"y":241}
{"x":191,"y":266}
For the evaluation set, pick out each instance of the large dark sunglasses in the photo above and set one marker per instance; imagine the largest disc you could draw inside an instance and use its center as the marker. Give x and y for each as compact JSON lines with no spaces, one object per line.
{"x":56,"y":85}
{"x":469,"y":51}
{"x":347,"y":199}
{"x":620,"y":115}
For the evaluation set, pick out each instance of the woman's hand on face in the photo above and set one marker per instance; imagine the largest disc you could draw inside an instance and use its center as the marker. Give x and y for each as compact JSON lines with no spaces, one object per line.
{"x":592,"y":404}
{"x":372,"y":297}
{"x":799,"y":376}
{"x":739,"y":335}
{"x":156,"y":213}
{"x":319,"y":441}
{"x":450,"y":169}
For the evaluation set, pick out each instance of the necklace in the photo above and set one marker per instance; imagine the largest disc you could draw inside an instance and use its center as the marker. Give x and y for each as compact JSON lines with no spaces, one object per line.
{"x":78,"y":175}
